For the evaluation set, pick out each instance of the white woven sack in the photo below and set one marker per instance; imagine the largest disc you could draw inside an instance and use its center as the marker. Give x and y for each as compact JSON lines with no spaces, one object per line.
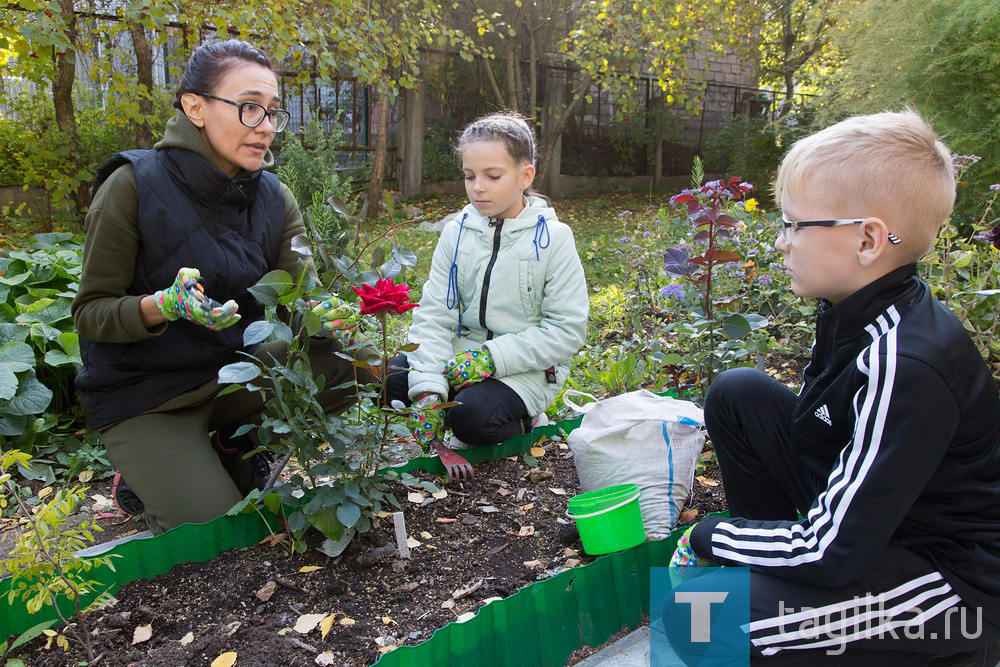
{"x":640,"y":438}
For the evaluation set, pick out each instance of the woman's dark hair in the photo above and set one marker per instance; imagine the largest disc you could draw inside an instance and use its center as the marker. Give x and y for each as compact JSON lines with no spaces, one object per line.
{"x":210,"y":62}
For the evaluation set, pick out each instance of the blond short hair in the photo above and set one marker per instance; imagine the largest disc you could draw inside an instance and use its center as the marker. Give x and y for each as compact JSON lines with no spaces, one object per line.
{"x":887,"y":165}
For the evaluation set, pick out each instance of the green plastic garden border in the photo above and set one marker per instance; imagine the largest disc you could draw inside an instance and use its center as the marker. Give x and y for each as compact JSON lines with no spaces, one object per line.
{"x":545,"y":622}
{"x":541,"y":624}
{"x":148,"y":557}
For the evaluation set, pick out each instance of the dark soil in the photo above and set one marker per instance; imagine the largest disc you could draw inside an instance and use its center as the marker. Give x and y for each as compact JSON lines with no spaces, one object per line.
{"x":247,"y":600}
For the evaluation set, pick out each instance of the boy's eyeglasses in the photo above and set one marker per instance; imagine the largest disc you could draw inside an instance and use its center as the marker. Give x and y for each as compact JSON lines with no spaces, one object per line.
{"x":253,"y":114}
{"x":789,"y":226}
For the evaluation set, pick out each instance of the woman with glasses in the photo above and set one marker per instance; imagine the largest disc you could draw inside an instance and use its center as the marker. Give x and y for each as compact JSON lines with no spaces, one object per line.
{"x":175,"y":236}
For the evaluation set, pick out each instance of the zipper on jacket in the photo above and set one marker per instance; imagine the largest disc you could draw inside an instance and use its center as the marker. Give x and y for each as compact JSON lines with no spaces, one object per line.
{"x":486,"y":277}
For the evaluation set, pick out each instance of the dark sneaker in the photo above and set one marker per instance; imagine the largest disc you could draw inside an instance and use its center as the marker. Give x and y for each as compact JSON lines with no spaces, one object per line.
{"x":124,"y":497}
{"x":248,"y":474}
{"x":984,"y":657}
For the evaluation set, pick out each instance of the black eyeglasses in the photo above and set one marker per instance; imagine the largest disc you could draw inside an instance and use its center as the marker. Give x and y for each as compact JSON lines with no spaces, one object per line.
{"x":253,"y":114}
{"x":789,"y":226}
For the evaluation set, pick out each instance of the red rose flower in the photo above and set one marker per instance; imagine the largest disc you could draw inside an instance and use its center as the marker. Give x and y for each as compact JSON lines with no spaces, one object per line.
{"x":384,"y":296}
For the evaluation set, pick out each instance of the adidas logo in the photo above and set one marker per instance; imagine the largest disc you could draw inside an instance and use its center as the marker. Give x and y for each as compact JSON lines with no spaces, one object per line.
{"x":824,"y":413}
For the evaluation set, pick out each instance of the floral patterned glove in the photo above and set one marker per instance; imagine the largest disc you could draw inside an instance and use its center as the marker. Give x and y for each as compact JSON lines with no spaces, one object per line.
{"x":684,"y":562}
{"x":186,"y":299}
{"x":338,"y":318}
{"x":469,"y":367}
{"x":684,"y":555}
{"x":426,"y":420}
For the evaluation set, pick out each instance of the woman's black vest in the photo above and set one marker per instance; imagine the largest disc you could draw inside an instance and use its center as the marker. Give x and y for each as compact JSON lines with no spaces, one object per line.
{"x":193,"y":215}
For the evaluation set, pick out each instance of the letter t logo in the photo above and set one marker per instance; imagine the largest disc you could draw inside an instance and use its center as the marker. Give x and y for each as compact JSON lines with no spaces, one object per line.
{"x":701,"y":607}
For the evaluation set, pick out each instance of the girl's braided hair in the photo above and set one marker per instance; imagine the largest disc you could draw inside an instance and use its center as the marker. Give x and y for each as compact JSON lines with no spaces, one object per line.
{"x":508,"y":127}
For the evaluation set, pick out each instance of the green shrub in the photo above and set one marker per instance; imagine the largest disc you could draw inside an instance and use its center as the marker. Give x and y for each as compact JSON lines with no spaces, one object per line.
{"x":750,"y":147}
{"x":39,"y":347}
{"x":314,"y":161}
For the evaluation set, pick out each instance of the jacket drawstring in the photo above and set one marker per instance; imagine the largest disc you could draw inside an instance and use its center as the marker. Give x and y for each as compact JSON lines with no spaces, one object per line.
{"x":451,"y":299}
{"x":541,"y":227}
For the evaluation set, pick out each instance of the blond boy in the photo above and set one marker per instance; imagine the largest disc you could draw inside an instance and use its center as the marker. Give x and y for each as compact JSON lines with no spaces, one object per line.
{"x":867,"y":507}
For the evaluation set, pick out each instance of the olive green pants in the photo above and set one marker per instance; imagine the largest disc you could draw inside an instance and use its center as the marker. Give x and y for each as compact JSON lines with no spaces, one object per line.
{"x":166,"y":456}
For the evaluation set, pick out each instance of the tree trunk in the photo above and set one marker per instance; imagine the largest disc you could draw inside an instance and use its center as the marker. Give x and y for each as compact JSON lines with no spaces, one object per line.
{"x":511,"y":78}
{"x":555,"y":122}
{"x":62,"y":100}
{"x":411,"y":142}
{"x":381,"y":148}
{"x":144,"y":74}
{"x":532,"y":76}
{"x":493,"y":80}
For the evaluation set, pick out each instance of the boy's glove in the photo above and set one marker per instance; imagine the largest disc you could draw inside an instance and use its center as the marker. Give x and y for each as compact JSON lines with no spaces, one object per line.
{"x":338,"y":317}
{"x":186,"y":299}
{"x":469,"y":367}
{"x":685,"y":560}
{"x":426,"y":420}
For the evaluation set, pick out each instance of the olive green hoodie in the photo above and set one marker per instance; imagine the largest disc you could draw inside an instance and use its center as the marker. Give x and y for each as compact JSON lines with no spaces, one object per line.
{"x":102,"y":310}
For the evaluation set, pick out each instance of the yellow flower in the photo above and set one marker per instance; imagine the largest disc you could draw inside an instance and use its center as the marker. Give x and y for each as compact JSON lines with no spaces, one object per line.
{"x":750,"y":205}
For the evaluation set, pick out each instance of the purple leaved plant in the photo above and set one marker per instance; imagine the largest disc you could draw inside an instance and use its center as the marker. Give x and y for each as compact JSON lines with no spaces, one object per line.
{"x":711,"y":226}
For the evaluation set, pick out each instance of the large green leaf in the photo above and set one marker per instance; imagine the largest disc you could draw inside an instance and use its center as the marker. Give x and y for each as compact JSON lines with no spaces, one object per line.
{"x":348,"y":514}
{"x":239,"y":372}
{"x":32,"y":398}
{"x":325,"y":520}
{"x":736,"y":326}
{"x":17,"y":357}
{"x":56,"y":358}
{"x":257,"y":332}
{"x":55,"y":311}
{"x":8,"y":383}
{"x":11,"y":425}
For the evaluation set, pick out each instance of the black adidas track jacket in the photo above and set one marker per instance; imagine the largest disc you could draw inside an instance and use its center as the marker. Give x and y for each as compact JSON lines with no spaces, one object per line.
{"x":900,"y":415}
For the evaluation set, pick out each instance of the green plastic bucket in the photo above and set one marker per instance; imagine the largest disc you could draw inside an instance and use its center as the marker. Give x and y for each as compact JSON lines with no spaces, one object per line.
{"x":608,"y":519}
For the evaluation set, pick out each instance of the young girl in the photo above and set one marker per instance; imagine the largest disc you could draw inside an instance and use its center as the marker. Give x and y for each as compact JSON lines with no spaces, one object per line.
{"x":505,"y":307}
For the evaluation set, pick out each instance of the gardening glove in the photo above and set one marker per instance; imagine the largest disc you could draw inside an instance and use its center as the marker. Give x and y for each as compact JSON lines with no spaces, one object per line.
{"x":426,"y":420}
{"x":186,"y":299}
{"x":338,"y":317}
{"x":469,"y":367}
{"x":684,"y":562}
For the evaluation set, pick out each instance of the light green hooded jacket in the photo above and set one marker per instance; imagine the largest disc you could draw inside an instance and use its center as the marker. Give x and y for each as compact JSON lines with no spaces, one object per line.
{"x":532,"y":314}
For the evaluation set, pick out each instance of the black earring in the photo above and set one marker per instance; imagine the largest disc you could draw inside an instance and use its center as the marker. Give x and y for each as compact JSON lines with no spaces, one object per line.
{"x":893,"y":239}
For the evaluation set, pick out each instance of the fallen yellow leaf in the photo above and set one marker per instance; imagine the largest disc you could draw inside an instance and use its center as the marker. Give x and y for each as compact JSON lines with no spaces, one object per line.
{"x":44,"y":492}
{"x":346,"y":621}
{"x":86,"y":476}
{"x":326,"y":624}
{"x":187,"y":639}
{"x":306,"y":622}
{"x":688,"y":515}
{"x":525,"y":508}
{"x":387,"y":620}
{"x":413,"y":542}
{"x":227,"y":659}
{"x":536,"y":452}
{"x":558,"y":491}
{"x":310,"y":568}
{"x":424,"y":534}
{"x":440,"y":495}
{"x":415,"y":497}
{"x":142,"y":633}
